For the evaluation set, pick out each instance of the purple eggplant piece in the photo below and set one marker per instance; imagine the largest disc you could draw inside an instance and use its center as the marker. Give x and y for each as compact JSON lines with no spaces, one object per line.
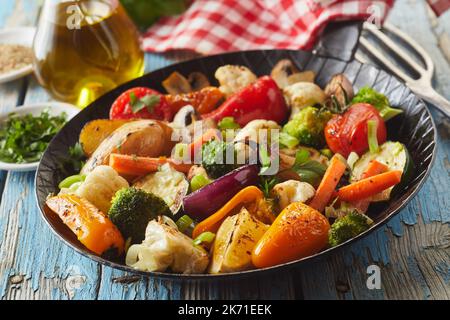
{"x":207,"y":200}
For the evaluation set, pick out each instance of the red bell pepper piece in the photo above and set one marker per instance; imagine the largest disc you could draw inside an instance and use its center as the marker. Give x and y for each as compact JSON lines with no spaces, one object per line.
{"x":259,"y":100}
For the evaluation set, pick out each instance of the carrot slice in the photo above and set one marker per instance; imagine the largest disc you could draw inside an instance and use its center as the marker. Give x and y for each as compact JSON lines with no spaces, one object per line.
{"x":213,"y":222}
{"x":197,"y":144}
{"x":370,"y":186}
{"x":375,"y":167}
{"x":138,"y":166}
{"x":329,"y":182}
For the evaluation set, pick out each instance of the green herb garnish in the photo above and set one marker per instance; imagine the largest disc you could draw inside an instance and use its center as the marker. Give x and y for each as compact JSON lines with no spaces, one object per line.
{"x":23,"y":139}
{"x":266,"y":184}
{"x":309,"y":171}
{"x":148,"y":101}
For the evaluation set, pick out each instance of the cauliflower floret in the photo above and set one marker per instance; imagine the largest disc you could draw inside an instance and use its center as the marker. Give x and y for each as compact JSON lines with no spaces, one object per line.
{"x":168,"y":184}
{"x":100,"y":186}
{"x":234,"y":78}
{"x":292,"y":191}
{"x":301,"y":95}
{"x":251,"y":132}
{"x":166,"y":247}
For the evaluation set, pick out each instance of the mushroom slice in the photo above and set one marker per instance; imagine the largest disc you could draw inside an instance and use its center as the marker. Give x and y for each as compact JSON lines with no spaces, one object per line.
{"x":340,"y":88}
{"x":176,"y":83}
{"x":198,"y":81}
{"x":286,"y":73}
{"x":185,"y":116}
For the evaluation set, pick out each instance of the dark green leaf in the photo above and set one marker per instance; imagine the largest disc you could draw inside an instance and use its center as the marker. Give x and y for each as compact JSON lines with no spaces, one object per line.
{"x":308,"y":170}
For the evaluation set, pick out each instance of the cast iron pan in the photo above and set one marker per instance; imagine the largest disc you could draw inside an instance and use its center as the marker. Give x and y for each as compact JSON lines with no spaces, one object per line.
{"x":333,"y":54}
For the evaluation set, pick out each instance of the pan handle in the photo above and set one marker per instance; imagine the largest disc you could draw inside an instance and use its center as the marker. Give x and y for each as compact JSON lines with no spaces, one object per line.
{"x":339,"y":40}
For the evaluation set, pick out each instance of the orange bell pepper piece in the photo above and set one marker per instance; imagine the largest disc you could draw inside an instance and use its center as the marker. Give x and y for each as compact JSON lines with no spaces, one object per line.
{"x":91,"y":226}
{"x":247,"y":195}
{"x":298,"y":231}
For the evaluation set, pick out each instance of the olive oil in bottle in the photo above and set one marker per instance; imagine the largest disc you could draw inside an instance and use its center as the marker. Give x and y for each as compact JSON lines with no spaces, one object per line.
{"x":85,"y":48}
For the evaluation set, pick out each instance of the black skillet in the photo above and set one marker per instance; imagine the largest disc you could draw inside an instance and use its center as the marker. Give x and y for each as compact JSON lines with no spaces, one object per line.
{"x":333,"y":54}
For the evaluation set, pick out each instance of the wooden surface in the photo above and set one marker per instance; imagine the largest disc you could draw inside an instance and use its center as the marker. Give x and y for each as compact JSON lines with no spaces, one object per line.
{"x":413,"y":250}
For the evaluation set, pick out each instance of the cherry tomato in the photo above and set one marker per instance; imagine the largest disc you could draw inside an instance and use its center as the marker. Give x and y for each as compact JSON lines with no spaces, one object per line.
{"x":348,"y":132}
{"x":122,"y":107}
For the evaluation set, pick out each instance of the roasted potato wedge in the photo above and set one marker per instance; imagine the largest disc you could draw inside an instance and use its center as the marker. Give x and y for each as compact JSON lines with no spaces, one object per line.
{"x":95,"y":132}
{"x":146,"y":138}
{"x":235,"y":239}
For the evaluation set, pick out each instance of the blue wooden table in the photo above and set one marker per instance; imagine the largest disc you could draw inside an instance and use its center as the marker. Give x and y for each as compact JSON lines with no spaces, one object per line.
{"x":412,"y":251}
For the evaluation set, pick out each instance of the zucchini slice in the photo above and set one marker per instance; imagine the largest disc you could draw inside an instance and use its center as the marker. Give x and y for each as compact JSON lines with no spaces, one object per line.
{"x":395,"y":156}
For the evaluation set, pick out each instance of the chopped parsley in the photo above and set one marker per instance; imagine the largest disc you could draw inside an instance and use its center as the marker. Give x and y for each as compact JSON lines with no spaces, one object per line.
{"x":24,"y":138}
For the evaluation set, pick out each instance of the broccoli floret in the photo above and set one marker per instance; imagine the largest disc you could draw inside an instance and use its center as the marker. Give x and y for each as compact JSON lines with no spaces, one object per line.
{"x":214,"y":158}
{"x":132,"y":209}
{"x":348,"y":227}
{"x":378,"y":100}
{"x":307,"y":126}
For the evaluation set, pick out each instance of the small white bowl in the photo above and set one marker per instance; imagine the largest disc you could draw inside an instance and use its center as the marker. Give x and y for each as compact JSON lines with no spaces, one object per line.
{"x":22,"y":36}
{"x":55,"y":108}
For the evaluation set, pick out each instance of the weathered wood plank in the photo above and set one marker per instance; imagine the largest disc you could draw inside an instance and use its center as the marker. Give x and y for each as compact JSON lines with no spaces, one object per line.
{"x":412,"y":251}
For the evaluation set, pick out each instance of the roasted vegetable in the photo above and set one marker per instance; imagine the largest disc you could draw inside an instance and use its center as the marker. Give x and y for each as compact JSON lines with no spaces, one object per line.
{"x":348,"y":227}
{"x":94,"y":132}
{"x":218,"y":158}
{"x":395,"y":156}
{"x":247,"y":197}
{"x":378,"y":100}
{"x":235,"y":241}
{"x":165,"y":247}
{"x":100,"y":186}
{"x":301,"y":95}
{"x":207,"y":200}
{"x":132,"y":209}
{"x":329,"y":182}
{"x":291,"y":191}
{"x":205,"y":100}
{"x":148,"y":138}
{"x":257,"y":131}
{"x":138,"y":166}
{"x":373,"y":168}
{"x":307,"y":126}
{"x":194,"y":149}
{"x":369,"y":187}
{"x":141,"y":103}
{"x":91,"y":226}
{"x":339,"y":91}
{"x":297,"y":232}
{"x":308,"y":170}
{"x":199,"y":181}
{"x":286,"y":73}
{"x":168,"y":184}
{"x":176,"y":84}
{"x":346,"y":133}
{"x":261,"y":99}
{"x":232,"y":78}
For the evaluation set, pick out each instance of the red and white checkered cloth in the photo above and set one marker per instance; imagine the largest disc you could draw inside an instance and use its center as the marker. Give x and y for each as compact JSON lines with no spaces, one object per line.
{"x":214,"y":26}
{"x":439,"y":6}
